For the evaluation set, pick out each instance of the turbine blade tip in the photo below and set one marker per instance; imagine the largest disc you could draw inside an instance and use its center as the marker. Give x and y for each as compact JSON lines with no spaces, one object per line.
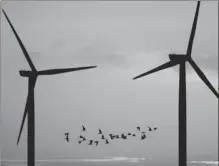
{"x":90,"y":67}
{"x":3,"y":11}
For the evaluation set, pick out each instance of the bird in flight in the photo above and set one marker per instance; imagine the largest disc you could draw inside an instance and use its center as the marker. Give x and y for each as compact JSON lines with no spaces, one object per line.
{"x":107,"y":142}
{"x":80,"y":142}
{"x":149,"y":129}
{"x":155,"y":128}
{"x":117,"y":136}
{"x":112,"y":136}
{"x":90,"y":142}
{"x":83,"y":128}
{"x":96,"y":142}
{"x":82,"y":137}
{"x":133,"y":135}
{"x":143,"y":136}
{"x":123,"y":136}
{"x":129,"y":134}
{"x":138,"y":128}
{"x":100,"y":132}
{"x":102,"y":137}
{"x":67,"y":138}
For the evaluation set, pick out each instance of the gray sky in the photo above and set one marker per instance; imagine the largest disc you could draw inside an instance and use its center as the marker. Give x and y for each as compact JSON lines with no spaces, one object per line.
{"x":123,"y":39}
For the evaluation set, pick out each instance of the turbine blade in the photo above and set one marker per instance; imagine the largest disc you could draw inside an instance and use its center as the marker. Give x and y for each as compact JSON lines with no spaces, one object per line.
{"x":21,"y":44}
{"x":189,"y":49}
{"x":59,"y":71}
{"x":162,"y":67}
{"x":23,"y":119}
{"x":203,"y":77}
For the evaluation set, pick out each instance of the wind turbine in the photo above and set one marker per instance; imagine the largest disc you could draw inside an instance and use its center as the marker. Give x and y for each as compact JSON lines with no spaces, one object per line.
{"x":29,"y":108}
{"x":181,"y":59}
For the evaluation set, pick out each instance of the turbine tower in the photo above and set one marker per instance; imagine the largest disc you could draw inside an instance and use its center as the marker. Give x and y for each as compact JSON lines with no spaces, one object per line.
{"x":32,"y":76}
{"x":181,"y":59}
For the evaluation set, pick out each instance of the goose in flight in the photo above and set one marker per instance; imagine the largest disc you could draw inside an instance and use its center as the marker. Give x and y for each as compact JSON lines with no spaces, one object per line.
{"x":100,"y":132}
{"x":143,"y":136}
{"x":67,"y":138}
{"x":138,"y":128}
{"x":83,"y":128}
{"x":90,"y":142}
{"x":112,"y":137}
{"x":102,"y":137}
{"x":149,"y":129}
{"x":96,"y":142}
{"x":82,"y":137}
{"x":107,"y":142}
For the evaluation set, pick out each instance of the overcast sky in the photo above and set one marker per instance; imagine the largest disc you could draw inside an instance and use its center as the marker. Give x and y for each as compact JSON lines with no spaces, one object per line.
{"x":123,"y":39}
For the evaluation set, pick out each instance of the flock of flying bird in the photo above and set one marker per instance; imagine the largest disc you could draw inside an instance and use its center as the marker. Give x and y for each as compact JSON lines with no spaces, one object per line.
{"x":111,"y":136}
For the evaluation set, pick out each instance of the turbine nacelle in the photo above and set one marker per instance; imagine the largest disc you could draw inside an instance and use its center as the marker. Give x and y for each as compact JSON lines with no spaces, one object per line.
{"x":27,"y":73}
{"x":179,"y":58}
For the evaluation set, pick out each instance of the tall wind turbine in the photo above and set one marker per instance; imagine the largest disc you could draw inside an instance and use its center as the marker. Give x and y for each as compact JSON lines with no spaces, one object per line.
{"x":29,"y":108}
{"x":180,"y":59}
